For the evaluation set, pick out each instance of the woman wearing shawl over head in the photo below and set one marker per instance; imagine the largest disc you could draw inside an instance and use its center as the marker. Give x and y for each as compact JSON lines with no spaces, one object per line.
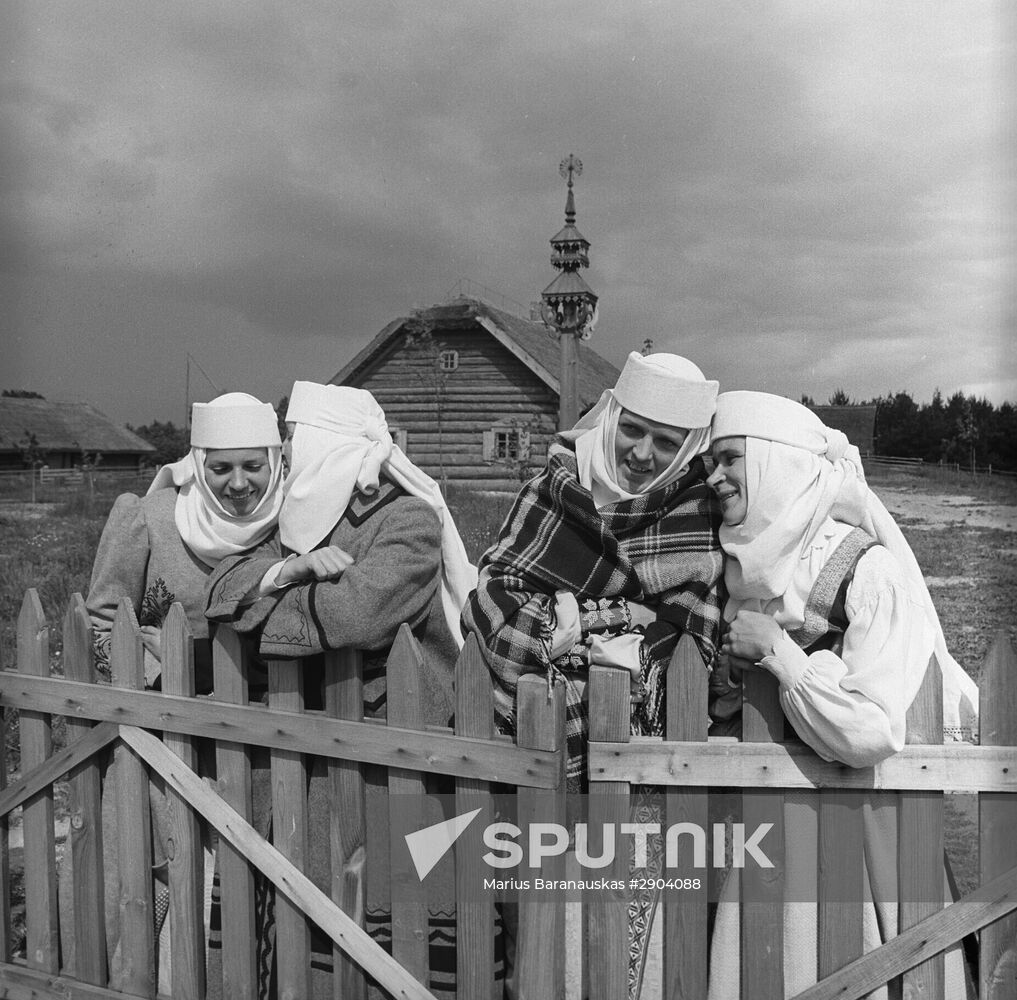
{"x":606,"y":558}
{"x":367,"y":543}
{"x":825,"y":593}
{"x":222,"y":498}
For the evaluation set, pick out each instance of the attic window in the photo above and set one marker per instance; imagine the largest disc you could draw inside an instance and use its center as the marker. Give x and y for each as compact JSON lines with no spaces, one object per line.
{"x":448,"y":361}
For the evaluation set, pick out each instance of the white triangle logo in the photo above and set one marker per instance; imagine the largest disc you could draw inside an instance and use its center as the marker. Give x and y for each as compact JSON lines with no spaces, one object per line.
{"x":430,"y":845}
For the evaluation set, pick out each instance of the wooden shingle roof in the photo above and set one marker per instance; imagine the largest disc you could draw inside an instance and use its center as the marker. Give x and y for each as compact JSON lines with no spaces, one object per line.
{"x":528,"y":341}
{"x":64,"y":427}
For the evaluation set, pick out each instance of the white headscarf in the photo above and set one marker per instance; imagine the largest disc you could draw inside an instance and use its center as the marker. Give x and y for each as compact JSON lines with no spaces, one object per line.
{"x":665,"y":388}
{"x":234,"y":420}
{"x":799,"y":472}
{"x":340,"y":444}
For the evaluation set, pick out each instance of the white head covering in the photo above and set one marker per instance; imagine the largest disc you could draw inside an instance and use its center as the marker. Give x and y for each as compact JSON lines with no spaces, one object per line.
{"x":340,"y":444}
{"x":664,"y":388}
{"x":234,"y":420}
{"x":799,"y":472}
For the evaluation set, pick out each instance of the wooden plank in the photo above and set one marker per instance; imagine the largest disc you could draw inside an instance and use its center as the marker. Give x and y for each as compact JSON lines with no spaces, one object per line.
{"x":289,"y":835}
{"x":287,"y":879}
{"x":344,"y":699}
{"x":20,"y":983}
{"x":41,"y":920}
{"x":474,"y":909}
{"x":134,"y":823}
{"x":435,"y":750}
{"x":406,"y":811}
{"x":762,"y":891}
{"x":991,"y":902}
{"x":953,"y":767}
{"x":185,"y":863}
{"x":841,"y":852}
{"x":70,"y":760}
{"x":920,"y":839}
{"x":607,"y":915}
{"x":233,"y":771}
{"x":685,"y":940}
{"x":88,"y":892}
{"x":997,"y":818}
{"x":540,"y":957}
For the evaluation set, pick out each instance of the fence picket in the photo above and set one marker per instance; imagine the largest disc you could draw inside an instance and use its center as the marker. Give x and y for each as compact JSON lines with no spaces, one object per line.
{"x":406,"y":811}
{"x":136,"y":973}
{"x":43,"y":933}
{"x":185,"y":869}
{"x":685,"y":941}
{"x":85,"y":803}
{"x":5,"y":849}
{"x":607,"y":916}
{"x":997,"y":819}
{"x":236,"y":878}
{"x":762,"y":926}
{"x":289,"y":836}
{"x":344,"y":699}
{"x":474,"y":916}
{"x":920,"y":839}
{"x":540,"y":952}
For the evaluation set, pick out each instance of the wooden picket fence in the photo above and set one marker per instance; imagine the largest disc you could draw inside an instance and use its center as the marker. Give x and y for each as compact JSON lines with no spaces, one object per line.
{"x":155,"y":735}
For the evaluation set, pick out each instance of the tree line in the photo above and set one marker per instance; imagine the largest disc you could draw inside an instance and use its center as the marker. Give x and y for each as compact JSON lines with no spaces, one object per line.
{"x":962,"y":429}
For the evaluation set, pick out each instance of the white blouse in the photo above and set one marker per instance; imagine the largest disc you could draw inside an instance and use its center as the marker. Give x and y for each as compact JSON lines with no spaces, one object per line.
{"x":852,"y":707}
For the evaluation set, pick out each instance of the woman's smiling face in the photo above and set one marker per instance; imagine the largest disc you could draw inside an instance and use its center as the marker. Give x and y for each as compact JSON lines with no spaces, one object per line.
{"x":643,"y":449}
{"x":238,"y":477}
{"x":728,"y":479}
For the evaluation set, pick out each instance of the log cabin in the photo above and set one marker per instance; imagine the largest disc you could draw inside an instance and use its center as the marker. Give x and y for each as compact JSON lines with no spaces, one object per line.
{"x":471,"y":392}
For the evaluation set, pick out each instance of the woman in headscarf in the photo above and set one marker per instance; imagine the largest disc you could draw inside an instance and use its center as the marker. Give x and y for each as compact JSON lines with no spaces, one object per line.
{"x":222,"y":498}
{"x":606,"y":558}
{"x":610,"y":553}
{"x":367,"y":543}
{"x":824,"y":593}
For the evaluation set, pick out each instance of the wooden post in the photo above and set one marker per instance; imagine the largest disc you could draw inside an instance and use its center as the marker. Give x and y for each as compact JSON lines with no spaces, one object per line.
{"x":607,"y":915}
{"x":289,"y":837}
{"x":185,"y":861}
{"x":134,"y":822}
{"x":410,"y":925}
{"x":236,"y":878}
{"x":568,"y":400}
{"x":474,"y":911}
{"x":344,"y":699}
{"x":997,"y":819}
{"x":540,"y":957}
{"x":685,"y":942}
{"x":88,"y":883}
{"x":42,"y":927}
{"x":762,"y":920}
{"x":920,"y":839}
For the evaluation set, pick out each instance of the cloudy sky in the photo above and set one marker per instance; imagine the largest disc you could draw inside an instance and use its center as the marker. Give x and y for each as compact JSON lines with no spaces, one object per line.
{"x":798,"y":195}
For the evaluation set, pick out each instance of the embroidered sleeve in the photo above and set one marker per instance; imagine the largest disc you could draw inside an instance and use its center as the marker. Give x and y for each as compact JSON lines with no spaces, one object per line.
{"x":852,"y":706}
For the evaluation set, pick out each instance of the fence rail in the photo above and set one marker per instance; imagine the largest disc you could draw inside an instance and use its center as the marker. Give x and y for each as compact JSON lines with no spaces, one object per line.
{"x":891,"y":461}
{"x":162,"y":740}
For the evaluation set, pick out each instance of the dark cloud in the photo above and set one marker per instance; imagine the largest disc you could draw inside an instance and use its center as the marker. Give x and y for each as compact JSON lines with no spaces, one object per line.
{"x":804,"y":198}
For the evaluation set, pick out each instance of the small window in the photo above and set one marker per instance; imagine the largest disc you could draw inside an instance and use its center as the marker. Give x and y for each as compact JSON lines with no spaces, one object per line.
{"x":506,"y":444}
{"x":448,"y":361}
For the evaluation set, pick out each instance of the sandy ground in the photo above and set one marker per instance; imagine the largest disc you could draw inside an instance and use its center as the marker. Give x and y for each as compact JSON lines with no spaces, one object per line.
{"x":927,"y":509}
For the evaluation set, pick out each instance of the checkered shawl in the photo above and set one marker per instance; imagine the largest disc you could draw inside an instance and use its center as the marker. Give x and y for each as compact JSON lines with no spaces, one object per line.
{"x":660,"y":549}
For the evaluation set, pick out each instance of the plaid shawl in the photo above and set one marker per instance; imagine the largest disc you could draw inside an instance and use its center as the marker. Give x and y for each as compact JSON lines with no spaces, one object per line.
{"x":660,"y":550}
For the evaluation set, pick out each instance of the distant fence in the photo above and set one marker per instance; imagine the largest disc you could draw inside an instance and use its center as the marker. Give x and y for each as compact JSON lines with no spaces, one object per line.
{"x":154,"y":736}
{"x":956,"y":468}
{"x":53,"y":485}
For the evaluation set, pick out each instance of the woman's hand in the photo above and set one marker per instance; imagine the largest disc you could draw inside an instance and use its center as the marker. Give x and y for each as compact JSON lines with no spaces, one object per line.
{"x":328,"y":563}
{"x":751,"y":636}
